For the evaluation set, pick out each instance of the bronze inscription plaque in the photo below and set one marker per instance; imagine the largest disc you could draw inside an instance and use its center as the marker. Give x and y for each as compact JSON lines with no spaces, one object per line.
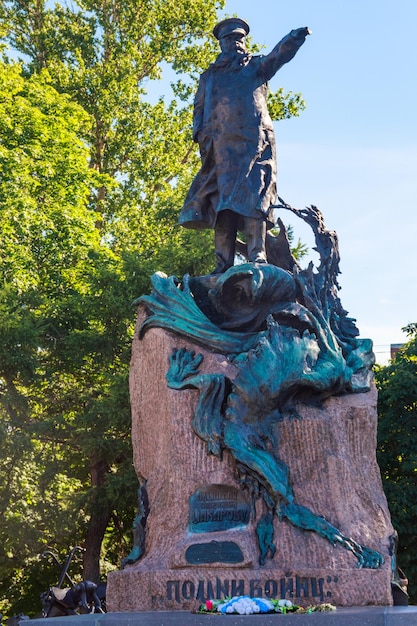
{"x":217,"y":507}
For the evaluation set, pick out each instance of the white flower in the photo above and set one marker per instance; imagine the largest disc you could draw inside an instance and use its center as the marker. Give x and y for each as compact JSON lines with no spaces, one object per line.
{"x":264,"y":605}
{"x":243,"y":605}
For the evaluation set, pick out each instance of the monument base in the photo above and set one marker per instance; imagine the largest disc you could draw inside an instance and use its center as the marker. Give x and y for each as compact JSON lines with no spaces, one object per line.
{"x":203,"y":526}
{"x":188,"y":589}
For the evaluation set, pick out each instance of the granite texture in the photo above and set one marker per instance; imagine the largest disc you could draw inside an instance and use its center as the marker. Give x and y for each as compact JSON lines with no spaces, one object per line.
{"x":331,"y":454}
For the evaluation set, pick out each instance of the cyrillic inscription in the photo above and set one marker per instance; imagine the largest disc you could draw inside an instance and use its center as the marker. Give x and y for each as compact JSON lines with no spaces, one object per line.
{"x":218,"y":507}
{"x":290,"y":587}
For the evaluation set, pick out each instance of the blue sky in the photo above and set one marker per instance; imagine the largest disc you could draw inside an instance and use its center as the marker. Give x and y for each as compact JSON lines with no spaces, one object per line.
{"x":353,"y":151}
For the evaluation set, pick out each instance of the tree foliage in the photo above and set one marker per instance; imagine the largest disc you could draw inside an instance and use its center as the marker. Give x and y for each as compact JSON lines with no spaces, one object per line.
{"x":93,"y":173}
{"x":64,"y":338}
{"x":397,"y":449}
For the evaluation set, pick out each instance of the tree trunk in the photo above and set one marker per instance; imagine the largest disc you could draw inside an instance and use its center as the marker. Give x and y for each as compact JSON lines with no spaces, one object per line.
{"x":100,"y":514}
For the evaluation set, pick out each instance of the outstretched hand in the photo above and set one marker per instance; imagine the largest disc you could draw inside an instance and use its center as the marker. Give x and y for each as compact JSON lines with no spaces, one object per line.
{"x":299,"y":34}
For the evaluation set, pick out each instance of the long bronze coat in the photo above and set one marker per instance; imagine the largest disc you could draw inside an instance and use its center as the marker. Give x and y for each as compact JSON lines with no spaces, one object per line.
{"x":236,"y":137}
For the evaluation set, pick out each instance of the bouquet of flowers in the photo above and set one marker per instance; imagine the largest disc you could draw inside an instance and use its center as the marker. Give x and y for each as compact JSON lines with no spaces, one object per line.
{"x":244,"y":605}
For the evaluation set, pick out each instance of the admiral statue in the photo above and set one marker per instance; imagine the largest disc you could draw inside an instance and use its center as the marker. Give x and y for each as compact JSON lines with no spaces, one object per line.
{"x":236,"y":185}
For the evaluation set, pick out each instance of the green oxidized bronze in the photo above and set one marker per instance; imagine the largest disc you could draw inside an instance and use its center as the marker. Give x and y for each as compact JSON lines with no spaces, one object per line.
{"x":139,"y":526}
{"x":290,"y":340}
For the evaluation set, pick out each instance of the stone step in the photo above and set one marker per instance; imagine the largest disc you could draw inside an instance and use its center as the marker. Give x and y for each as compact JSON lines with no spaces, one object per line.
{"x":355,"y":616}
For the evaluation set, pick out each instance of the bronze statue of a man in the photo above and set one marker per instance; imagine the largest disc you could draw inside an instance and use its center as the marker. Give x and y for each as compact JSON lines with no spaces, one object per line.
{"x":236,"y":185}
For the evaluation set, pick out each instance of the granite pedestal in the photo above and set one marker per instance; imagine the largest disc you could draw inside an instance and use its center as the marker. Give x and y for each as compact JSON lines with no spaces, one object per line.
{"x":331,"y":455}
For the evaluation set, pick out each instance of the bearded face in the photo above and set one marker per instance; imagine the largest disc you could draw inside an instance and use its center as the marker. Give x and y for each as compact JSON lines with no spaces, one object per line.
{"x":235,"y":43}
{"x":234,"y":53}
